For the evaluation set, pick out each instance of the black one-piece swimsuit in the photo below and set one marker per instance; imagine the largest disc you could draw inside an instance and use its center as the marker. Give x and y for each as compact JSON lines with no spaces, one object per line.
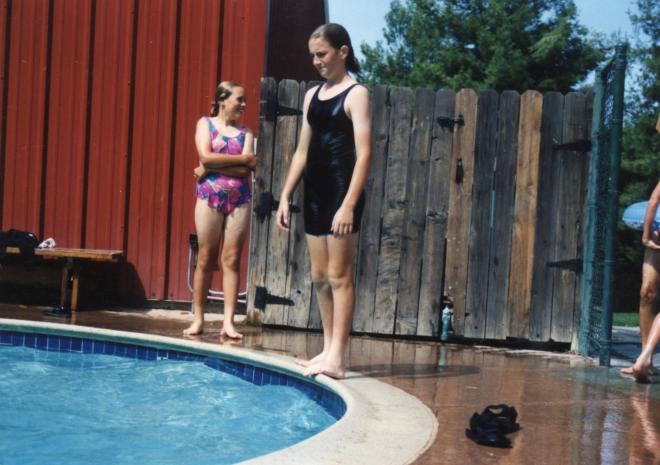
{"x":330,"y":164}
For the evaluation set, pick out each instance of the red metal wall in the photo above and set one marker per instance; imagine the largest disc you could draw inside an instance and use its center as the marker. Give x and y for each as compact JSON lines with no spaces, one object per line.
{"x":99,"y":103}
{"x":3,"y":87}
{"x":25,"y":115}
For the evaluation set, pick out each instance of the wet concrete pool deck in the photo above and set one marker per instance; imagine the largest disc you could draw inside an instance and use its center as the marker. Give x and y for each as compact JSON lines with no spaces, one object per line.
{"x":571,"y":411}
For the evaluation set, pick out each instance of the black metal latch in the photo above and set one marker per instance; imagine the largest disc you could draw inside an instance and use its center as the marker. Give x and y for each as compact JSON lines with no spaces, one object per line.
{"x":459,"y":171}
{"x":273,"y":110}
{"x":578,"y":145}
{"x":262,"y":297}
{"x":268,"y":204}
{"x":574,"y":265}
{"x":449,"y":122}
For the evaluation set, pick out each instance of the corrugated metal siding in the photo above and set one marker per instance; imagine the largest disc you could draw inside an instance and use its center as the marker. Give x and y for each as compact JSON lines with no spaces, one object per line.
{"x":152,"y":144}
{"x":199,"y":61}
{"x":100,"y":104}
{"x":67,"y":121}
{"x":4,"y":42}
{"x":110,"y":119}
{"x":26,"y":104}
{"x":243,"y":50}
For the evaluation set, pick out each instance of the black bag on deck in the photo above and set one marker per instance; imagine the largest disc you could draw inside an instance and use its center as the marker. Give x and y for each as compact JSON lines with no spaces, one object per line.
{"x":23,"y":240}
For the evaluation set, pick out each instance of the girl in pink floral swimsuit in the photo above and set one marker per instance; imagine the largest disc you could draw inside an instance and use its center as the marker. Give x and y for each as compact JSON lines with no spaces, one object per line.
{"x":222,"y":211}
{"x":224,"y":193}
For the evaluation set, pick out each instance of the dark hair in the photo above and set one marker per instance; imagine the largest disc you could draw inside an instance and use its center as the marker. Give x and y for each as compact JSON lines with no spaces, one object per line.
{"x":222,"y":92}
{"x":337,"y":36}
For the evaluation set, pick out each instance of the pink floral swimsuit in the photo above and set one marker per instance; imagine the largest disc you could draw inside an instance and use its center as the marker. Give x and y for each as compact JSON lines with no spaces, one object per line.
{"x":224,"y":193}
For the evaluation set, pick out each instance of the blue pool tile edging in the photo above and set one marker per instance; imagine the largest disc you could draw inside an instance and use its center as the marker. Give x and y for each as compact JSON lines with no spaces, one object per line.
{"x":331,"y":402}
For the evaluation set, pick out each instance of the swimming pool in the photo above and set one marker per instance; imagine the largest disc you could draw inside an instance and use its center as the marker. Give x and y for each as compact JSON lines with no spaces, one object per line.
{"x":380,"y":424}
{"x":91,"y":401}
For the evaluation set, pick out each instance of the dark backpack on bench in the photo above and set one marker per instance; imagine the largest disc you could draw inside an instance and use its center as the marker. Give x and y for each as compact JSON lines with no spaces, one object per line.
{"x":23,"y":240}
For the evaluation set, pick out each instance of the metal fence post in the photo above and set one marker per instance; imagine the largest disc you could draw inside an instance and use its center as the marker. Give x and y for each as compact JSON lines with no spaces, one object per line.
{"x":595,"y":337}
{"x":614,"y":154}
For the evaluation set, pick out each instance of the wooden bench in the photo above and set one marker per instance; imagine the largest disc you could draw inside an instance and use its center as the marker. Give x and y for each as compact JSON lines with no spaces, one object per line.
{"x":72,"y":258}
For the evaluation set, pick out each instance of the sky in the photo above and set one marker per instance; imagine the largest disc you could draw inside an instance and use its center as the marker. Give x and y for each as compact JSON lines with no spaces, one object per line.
{"x":365,"y":19}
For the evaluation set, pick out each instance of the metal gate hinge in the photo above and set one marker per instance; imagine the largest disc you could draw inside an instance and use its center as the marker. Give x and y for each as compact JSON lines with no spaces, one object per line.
{"x":273,"y":110}
{"x":578,"y":145}
{"x":449,"y":122}
{"x":288,"y":111}
{"x":574,"y":265}
{"x":262,"y":297}
{"x":267,"y":204}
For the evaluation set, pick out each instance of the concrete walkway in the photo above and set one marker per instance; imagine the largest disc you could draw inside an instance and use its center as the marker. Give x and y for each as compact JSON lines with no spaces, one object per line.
{"x":571,"y":410}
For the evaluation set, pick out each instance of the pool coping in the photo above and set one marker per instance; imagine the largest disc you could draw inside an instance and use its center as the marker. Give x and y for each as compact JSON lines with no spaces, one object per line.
{"x":383,"y":425}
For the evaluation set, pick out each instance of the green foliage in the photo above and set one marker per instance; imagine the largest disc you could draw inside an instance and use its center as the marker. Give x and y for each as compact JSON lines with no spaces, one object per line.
{"x":647,"y":54}
{"x":625,"y":319}
{"x":483,"y":44}
{"x":640,"y":157}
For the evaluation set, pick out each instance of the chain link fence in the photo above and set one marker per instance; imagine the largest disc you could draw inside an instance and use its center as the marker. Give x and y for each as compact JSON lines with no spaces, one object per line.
{"x":595,"y":337}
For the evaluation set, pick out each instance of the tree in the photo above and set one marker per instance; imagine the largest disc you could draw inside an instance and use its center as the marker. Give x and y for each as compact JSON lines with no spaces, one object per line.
{"x":640,"y":157}
{"x":482,"y":44}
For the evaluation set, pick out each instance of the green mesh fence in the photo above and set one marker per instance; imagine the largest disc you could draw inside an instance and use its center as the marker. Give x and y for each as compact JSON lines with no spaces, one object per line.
{"x":595,"y":338}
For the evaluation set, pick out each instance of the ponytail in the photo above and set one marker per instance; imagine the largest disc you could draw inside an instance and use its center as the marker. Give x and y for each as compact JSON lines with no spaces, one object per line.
{"x":337,"y":36}
{"x":222,"y":92}
{"x":215,"y":109}
{"x":352,"y":64}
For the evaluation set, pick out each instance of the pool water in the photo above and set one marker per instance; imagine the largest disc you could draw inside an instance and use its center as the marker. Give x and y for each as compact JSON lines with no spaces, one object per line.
{"x":82,"y":408}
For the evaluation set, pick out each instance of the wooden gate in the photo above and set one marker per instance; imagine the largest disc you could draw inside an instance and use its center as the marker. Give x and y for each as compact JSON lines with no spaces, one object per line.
{"x":474,"y":196}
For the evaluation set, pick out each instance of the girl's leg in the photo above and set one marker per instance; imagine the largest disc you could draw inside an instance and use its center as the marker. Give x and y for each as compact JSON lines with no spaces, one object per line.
{"x":236,"y":227}
{"x":208,"y":224}
{"x":648,"y":296}
{"x":341,"y":255}
{"x":649,"y":292}
{"x":644,"y":363}
{"x":318,"y":255}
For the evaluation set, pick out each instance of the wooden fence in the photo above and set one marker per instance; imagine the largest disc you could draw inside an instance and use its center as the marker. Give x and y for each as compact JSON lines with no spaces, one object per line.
{"x":468,"y":196}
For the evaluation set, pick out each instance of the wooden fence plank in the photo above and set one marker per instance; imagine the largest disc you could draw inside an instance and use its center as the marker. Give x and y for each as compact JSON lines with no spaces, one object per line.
{"x":481,"y":215}
{"x":569,"y":215}
{"x":522,"y":238}
{"x":460,"y":204}
{"x":412,"y":241}
{"x":393,"y":216}
{"x":278,"y":246}
{"x":260,"y":227}
{"x":314,"y":312}
{"x":502,"y":214}
{"x":579,"y":278}
{"x":543,"y":277}
{"x":435,"y":231}
{"x":299,"y":279}
{"x":370,"y":229}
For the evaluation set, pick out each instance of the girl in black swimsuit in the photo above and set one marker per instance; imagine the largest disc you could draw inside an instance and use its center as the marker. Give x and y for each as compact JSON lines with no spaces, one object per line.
{"x":330,"y":163}
{"x":333,"y":157}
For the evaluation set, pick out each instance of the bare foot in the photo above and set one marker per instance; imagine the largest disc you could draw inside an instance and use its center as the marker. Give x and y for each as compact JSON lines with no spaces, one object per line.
{"x":227,"y":341}
{"x":194,"y":329}
{"x":629,"y":371}
{"x":641,"y":371}
{"x":230,"y":332}
{"x":306,"y":363}
{"x":326,"y":368}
